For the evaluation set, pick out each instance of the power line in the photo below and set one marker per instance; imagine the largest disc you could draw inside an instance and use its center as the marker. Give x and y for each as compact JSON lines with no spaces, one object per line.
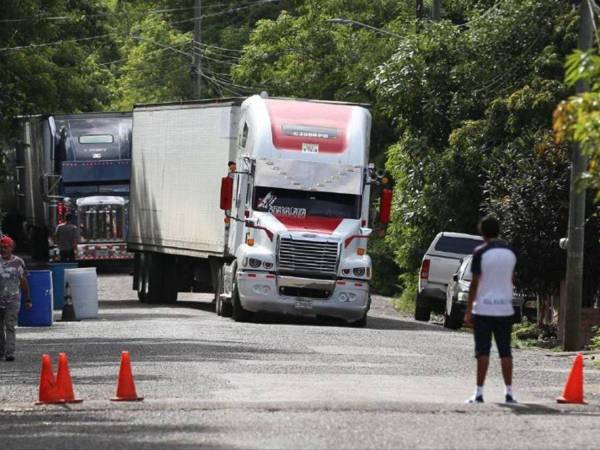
{"x":82,"y":15}
{"x":62,"y":41}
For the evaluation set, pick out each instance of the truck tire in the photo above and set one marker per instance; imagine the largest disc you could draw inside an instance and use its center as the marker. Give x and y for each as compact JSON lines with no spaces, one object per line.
{"x":170,"y":287}
{"x":422,"y":310}
{"x":142,"y":288}
{"x":222,"y":308}
{"x":453,"y":319}
{"x":238,"y":313}
{"x":154,"y":280}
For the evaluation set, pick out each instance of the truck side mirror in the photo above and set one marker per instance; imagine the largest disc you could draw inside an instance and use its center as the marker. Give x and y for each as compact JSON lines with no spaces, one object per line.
{"x":385,"y":206}
{"x":455,"y":277}
{"x":226,"y":193}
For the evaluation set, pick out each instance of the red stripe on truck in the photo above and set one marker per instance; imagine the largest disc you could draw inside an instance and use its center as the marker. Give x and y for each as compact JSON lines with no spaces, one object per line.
{"x":294,"y":124}
{"x":316,"y":224}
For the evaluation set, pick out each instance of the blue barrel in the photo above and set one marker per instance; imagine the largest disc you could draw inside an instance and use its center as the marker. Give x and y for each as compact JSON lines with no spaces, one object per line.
{"x":40,"y":286}
{"x":58,"y":281}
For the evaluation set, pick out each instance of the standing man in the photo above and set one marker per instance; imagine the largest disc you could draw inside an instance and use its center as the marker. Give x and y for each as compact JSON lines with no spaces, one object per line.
{"x":13,"y":279}
{"x":66,"y":238}
{"x":490,"y":309}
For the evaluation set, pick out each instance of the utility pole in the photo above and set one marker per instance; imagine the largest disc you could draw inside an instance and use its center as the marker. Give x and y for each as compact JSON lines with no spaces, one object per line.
{"x":197,"y":48}
{"x":420,"y":11}
{"x":436,"y":10}
{"x":575,"y":245}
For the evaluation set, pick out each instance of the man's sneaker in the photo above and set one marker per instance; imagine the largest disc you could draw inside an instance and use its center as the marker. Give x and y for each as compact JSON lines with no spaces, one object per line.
{"x":10,"y":358}
{"x":475,"y":399}
{"x":510,"y":399}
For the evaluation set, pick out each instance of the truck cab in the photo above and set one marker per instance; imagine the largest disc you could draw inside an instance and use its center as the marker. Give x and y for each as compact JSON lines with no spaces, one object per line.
{"x":297,"y":208}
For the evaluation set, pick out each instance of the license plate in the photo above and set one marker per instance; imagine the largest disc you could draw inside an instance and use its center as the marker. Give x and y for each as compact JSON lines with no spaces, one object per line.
{"x":303,"y":304}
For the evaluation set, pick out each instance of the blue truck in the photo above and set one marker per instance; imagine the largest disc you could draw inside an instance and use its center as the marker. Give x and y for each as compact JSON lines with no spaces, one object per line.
{"x":78,"y":164}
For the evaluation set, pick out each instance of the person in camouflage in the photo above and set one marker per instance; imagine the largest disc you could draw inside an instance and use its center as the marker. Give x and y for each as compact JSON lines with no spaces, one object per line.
{"x":13,"y":280}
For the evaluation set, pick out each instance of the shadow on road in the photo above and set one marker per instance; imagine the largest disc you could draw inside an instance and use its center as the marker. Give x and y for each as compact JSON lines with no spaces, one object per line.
{"x":535,"y":409}
{"x":373,"y":323}
{"x":80,"y":430}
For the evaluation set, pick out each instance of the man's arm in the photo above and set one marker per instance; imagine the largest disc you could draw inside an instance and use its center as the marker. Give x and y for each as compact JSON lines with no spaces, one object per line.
{"x":26,"y":292}
{"x":472,"y":294}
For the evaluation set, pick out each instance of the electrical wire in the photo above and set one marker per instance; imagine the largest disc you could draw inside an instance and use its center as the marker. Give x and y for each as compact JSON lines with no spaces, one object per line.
{"x":62,"y":41}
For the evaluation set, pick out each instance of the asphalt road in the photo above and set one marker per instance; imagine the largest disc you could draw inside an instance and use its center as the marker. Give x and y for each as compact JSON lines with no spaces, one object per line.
{"x":281,"y":383}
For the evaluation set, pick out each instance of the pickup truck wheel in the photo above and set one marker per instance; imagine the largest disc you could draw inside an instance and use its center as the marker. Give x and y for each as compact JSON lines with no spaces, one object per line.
{"x":238,"y":313}
{"x":422,"y":310}
{"x":453,"y":319}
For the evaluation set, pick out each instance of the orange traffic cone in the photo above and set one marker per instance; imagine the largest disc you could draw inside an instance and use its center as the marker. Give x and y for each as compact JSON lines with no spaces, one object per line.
{"x":49,"y":391}
{"x":63,"y":380}
{"x":573,"y":392}
{"x":125,"y":385}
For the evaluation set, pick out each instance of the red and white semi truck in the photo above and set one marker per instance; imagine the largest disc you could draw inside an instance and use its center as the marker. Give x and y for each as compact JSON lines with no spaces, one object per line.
{"x":293,"y":239}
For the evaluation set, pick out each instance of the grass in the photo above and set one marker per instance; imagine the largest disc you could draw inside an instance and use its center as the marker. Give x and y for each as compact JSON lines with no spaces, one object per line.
{"x":405,"y":303}
{"x":529,"y":335}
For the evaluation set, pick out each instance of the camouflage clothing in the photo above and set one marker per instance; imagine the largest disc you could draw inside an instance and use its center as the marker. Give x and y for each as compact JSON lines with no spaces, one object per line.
{"x":11,"y":272}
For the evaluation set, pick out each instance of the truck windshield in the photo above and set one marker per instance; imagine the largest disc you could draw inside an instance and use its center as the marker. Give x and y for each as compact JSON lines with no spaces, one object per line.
{"x":101,"y":222}
{"x":292,"y":203}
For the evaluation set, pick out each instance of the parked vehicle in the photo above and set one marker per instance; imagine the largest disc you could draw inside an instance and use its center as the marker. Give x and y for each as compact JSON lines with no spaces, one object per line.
{"x":296,"y":205}
{"x":77,"y":164}
{"x":457,"y":296}
{"x":440,"y":262}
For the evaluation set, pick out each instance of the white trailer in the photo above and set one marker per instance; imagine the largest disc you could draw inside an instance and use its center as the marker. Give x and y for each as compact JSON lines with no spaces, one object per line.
{"x":180,"y":153}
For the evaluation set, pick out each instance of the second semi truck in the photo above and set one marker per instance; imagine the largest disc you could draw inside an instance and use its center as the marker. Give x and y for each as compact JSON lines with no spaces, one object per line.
{"x":284,"y":229}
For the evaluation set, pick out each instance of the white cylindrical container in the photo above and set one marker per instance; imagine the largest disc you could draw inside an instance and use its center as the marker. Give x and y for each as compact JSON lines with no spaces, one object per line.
{"x":83,"y":283}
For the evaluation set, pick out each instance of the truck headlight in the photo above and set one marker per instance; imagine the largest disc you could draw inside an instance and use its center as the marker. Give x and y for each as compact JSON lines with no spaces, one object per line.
{"x":268,"y":265}
{"x":254,"y":263}
{"x":359,"y":271}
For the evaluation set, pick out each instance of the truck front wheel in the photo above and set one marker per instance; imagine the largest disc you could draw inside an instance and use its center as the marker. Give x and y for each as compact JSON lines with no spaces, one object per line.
{"x":238,"y":313}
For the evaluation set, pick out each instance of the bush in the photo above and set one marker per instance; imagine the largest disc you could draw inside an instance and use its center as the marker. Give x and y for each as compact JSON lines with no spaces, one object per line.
{"x":385,"y":270}
{"x":406,"y":301}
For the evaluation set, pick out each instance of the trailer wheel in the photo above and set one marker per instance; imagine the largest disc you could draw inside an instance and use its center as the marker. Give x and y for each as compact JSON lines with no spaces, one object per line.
{"x":168,"y":268}
{"x":238,"y":313}
{"x":142,"y":280}
{"x":154,"y":280}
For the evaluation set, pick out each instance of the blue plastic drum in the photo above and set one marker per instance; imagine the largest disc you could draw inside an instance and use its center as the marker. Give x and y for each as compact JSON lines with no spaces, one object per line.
{"x":58,"y":281}
{"x":40,"y":315}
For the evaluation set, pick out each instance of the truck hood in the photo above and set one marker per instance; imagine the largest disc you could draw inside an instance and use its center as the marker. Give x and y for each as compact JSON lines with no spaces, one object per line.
{"x":337,"y":227}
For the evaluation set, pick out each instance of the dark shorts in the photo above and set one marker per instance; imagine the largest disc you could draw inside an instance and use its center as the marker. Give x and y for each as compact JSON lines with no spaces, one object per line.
{"x":500,"y":327}
{"x":67,"y":255}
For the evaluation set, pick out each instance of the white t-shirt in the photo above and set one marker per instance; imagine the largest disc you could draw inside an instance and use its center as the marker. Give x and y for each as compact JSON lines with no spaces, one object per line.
{"x":494,"y":262}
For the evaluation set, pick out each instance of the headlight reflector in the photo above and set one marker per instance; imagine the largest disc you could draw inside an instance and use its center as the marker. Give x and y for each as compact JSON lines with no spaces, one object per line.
{"x":254,"y":263}
{"x":359,"y":271}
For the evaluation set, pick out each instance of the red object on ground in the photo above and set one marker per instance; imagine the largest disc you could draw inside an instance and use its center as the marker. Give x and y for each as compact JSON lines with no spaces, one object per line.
{"x":63,"y":380}
{"x":49,"y":392}
{"x":125,"y":384}
{"x":573,"y":392}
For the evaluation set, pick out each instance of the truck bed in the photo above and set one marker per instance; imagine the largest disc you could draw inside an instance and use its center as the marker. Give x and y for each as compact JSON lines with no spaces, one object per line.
{"x":178,"y":161}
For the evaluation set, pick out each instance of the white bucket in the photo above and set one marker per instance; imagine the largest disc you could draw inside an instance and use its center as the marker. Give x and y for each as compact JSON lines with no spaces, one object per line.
{"x":83,"y":283}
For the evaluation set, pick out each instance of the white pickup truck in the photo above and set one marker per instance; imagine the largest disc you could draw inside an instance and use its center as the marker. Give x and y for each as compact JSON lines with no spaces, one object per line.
{"x":442,"y":259}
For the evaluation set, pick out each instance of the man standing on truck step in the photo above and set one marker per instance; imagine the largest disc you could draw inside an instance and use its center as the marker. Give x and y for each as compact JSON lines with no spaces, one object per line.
{"x":490,"y":309}
{"x":66,"y":238}
{"x":13,"y":280}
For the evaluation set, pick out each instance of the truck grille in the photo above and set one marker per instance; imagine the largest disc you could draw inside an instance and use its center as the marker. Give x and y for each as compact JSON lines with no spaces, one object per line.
{"x":310,"y":257}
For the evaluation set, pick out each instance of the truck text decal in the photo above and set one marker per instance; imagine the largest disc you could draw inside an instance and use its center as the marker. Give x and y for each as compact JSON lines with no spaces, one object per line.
{"x":268,"y":203}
